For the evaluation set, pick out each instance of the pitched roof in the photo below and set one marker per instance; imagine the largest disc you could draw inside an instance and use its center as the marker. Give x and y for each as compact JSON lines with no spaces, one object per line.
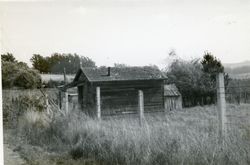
{"x":171,"y":90}
{"x":116,"y":74}
{"x":120,"y":74}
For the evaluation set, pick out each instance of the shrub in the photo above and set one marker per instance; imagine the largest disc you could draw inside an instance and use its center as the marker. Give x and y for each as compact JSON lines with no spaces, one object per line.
{"x":33,"y":125}
{"x":19,"y":75}
{"x":14,"y":107}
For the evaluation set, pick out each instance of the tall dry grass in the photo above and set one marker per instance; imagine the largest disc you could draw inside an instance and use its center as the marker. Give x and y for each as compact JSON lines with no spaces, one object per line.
{"x":181,"y":137}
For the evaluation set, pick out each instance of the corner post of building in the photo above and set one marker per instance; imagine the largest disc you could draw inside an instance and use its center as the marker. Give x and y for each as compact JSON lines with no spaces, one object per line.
{"x":141,"y":106}
{"x":164,"y":98}
{"x":98,"y":102}
{"x":221,"y":105}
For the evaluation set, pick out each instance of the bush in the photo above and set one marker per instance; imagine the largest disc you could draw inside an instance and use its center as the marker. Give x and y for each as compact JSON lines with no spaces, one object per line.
{"x":19,"y":75}
{"x":14,"y":107}
{"x":33,"y":125}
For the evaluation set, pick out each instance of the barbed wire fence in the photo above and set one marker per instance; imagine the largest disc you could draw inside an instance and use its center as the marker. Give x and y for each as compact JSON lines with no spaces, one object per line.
{"x":230,"y":94}
{"x":238,"y":94}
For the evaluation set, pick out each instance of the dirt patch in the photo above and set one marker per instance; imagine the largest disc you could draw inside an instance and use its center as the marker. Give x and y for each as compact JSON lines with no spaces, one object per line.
{"x":11,"y":154}
{"x":17,"y":152}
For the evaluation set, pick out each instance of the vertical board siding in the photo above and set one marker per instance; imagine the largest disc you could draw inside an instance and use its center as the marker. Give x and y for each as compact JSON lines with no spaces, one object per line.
{"x":122,"y":97}
{"x":80,"y":96}
{"x":172,"y":103}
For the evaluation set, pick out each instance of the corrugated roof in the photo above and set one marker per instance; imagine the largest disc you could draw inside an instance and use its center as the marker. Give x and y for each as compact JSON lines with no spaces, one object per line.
{"x":124,"y":73}
{"x":171,"y":90}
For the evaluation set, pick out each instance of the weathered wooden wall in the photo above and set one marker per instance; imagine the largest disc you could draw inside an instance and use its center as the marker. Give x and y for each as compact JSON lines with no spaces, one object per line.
{"x":172,"y":103}
{"x":118,"y":97}
{"x":80,"y":95}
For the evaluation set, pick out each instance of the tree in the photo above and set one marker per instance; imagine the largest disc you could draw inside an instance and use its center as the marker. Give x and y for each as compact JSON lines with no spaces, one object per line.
{"x":57,"y":62}
{"x":186,"y":76}
{"x":18,"y":74}
{"x":22,"y":64}
{"x":40,"y":63}
{"x":8,"y":57}
{"x":193,"y":83}
{"x":196,"y":79}
{"x":211,"y":65}
{"x":71,"y":62}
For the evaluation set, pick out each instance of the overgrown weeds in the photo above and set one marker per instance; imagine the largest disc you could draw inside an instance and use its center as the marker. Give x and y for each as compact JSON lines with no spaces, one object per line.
{"x":177,"y":138}
{"x":17,"y":102}
{"x":181,"y":137}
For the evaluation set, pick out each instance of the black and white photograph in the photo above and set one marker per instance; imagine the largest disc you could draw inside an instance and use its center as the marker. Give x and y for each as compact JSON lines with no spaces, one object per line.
{"x":125,"y":82}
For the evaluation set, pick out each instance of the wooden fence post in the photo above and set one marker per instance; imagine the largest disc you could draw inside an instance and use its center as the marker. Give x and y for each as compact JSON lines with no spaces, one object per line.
{"x":239,"y":93}
{"x":47,"y":103}
{"x":66,"y":93}
{"x":60,"y":99}
{"x":141,"y":106}
{"x":221,"y":105}
{"x":66,"y":102}
{"x":98,"y":102}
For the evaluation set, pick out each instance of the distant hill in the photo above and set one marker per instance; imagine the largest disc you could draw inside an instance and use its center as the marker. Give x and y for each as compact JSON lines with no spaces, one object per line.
{"x":240,"y":76}
{"x":238,"y":70}
{"x":236,"y":65}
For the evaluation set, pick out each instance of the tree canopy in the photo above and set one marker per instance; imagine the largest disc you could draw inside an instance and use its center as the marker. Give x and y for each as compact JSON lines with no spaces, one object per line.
{"x":40,"y":63}
{"x":57,"y":62}
{"x":189,"y":79}
{"x":196,"y":78}
{"x":211,"y":65}
{"x":8,"y":57}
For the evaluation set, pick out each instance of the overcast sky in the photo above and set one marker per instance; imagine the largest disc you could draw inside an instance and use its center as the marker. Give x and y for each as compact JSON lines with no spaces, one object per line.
{"x":135,"y":32}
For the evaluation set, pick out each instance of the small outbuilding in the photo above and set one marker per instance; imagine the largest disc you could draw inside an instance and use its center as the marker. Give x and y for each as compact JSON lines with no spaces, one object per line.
{"x":114,"y":90}
{"x":172,"y":98}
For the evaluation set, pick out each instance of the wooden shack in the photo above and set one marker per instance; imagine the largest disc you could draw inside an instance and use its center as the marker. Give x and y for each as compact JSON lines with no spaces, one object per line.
{"x":114,"y":90}
{"x":172,"y":97}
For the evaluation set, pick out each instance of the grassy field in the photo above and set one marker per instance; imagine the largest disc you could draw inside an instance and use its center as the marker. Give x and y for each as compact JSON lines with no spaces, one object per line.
{"x":188,"y":136}
{"x":55,"y":77}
